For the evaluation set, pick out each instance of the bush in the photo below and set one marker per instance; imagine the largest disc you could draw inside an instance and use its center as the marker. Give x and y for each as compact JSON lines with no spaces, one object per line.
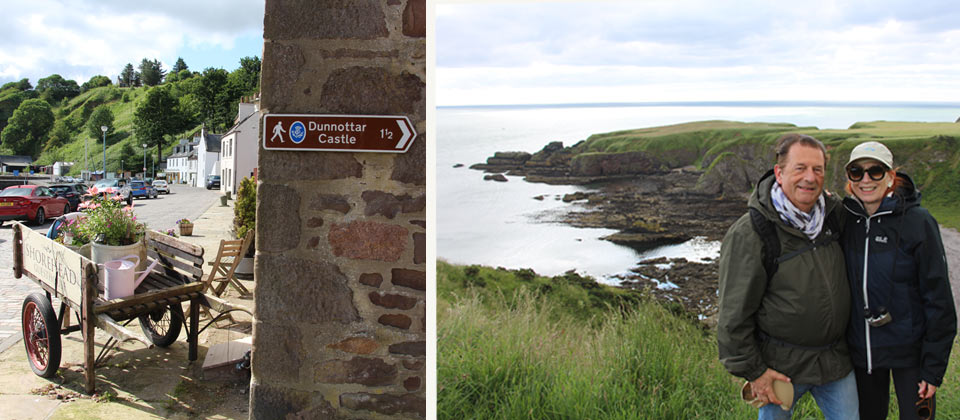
{"x":245,"y":208}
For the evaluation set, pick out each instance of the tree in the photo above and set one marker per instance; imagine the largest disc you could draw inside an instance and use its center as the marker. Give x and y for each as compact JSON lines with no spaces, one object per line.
{"x":54,"y":88}
{"x":95,"y":82}
{"x":129,"y":77}
{"x":27,"y":127}
{"x":130,"y":158}
{"x":215,"y":97}
{"x":59,"y":135}
{"x":179,"y":66}
{"x":10,"y":100}
{"x":101,"y":116}
{"x":151,"y":72}
{"x":158,"y":115}
{"x":23,"y":84}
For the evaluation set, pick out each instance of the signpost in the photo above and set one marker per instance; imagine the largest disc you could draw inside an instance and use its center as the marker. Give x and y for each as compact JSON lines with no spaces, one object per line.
{"x":338,"y":133}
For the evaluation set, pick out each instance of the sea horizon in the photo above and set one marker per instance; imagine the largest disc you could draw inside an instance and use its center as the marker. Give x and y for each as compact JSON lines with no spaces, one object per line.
{"x":785,"y":103}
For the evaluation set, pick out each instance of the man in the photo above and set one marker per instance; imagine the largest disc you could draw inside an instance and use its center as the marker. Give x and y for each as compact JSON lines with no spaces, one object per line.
{"x":790,"y":326}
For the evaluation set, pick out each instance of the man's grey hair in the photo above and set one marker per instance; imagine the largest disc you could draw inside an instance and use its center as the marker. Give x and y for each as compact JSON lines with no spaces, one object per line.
{"x":787,"y":140}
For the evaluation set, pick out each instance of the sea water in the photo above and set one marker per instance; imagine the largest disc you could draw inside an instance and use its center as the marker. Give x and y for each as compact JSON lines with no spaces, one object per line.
{"x":501,"y":224}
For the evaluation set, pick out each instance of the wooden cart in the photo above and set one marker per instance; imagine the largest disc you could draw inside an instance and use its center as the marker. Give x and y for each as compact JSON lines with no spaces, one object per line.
{"x":73,"y":279}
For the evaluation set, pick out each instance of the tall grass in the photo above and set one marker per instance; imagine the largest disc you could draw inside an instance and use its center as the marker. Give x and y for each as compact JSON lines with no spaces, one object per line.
{"x":531,"y":356}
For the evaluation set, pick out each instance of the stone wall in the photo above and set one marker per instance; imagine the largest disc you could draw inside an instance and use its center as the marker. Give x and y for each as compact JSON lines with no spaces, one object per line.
{"x":339,"y":328}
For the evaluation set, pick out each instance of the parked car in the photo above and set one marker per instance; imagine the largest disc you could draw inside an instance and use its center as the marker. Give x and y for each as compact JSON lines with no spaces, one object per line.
{"x":31,"y":202}
{"x":161,"y":186}
{"x":213,"y":181}
{"x":69,"y":191}
{"x":114,"y":187}
{"x":138,"y":189}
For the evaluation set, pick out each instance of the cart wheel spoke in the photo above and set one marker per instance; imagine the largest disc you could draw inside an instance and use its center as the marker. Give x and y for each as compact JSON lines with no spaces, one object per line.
{"x":41,"y":335}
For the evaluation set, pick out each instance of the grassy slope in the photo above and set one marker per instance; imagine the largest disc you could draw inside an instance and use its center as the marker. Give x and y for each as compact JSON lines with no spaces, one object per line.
{"x":123,"y":103}
{"x":929,"y":152}
{"x":511,"y":348}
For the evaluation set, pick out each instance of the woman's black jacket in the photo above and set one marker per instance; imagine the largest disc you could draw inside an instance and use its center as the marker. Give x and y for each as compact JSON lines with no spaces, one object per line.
{"x":898,"y":254}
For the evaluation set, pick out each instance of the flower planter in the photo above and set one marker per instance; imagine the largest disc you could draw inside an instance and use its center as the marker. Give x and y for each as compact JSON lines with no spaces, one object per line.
{"x":186,"y":229}
{"x":245,"y":269}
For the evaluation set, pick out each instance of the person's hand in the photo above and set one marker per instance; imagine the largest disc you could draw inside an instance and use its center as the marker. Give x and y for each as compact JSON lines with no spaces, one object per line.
{"x":763,"y":386}
{"x":926,"y":390}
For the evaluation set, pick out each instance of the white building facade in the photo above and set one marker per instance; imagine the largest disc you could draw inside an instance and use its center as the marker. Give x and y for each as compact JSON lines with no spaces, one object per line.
{"x":208,"y":157}
{"x":239,"y":148}
{"x":179,"y":165}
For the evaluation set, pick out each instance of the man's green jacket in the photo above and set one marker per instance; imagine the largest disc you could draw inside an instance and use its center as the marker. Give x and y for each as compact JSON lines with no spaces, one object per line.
{"x":795,"y":322}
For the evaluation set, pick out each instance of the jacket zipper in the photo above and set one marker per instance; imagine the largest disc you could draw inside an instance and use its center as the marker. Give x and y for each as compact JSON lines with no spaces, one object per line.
{"x":866,"y":301}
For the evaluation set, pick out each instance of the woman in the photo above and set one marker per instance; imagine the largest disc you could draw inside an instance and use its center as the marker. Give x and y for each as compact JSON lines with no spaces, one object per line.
{"x":902,"y":320}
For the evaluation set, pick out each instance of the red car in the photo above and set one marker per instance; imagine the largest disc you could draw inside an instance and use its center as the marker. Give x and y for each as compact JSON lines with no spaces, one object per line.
{"x":31,"y":202}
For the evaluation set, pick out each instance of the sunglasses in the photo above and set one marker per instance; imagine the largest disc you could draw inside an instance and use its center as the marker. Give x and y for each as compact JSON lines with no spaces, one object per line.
{"x":855,"y":173}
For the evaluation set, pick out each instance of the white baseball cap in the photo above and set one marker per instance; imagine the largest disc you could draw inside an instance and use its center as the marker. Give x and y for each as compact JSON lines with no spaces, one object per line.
{"x":872,"y":150}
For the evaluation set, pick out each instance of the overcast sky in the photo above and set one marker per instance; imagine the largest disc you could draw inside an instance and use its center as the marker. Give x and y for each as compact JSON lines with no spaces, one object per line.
{"x":696,"y":50}
{"x":78,"y":39}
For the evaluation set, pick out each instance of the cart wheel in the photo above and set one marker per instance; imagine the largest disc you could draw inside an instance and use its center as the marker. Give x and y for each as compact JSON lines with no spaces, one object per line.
{"x":162,"y":326}
{"x":41,"y":335}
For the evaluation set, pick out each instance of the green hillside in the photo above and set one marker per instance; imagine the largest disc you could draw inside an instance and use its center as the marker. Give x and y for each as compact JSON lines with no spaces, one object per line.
{"x":738,"y":153}
{"x":181,"y":103}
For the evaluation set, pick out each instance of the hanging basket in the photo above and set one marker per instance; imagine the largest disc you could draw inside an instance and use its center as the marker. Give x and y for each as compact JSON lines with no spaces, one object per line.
{"x":186,"y":229}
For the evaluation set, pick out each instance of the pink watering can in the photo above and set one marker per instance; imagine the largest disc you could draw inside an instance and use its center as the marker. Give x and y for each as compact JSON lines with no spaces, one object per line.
{"x":119,"y":281}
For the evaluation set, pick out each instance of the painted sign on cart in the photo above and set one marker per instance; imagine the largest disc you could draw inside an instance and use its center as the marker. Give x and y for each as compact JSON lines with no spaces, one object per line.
{"x":53,"y":264}
{"x":338,"y":133}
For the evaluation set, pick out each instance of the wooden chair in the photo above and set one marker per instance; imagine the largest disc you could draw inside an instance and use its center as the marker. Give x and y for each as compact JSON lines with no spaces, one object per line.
{"x":225,"y":265}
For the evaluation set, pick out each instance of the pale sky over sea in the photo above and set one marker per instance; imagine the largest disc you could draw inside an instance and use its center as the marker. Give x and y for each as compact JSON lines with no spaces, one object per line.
{"x":79,"y":39}
{"x":535,"y":52}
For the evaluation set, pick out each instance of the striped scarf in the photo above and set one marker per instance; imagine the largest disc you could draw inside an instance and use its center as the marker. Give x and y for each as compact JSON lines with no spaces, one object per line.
{"x":809,"y":223}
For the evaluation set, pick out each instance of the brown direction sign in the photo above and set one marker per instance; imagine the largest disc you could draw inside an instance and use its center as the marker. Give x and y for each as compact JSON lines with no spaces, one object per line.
{"x":338,"y":133}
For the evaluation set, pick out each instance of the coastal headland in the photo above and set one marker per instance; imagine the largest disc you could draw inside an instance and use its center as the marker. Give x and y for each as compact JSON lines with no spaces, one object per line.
{"x":668,"y":184}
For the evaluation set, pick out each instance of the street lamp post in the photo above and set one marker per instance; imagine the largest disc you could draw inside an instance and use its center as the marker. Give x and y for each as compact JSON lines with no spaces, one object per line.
{"x":85,"y":168}
{"x":144,"y":161}
{"x":104,"y":129}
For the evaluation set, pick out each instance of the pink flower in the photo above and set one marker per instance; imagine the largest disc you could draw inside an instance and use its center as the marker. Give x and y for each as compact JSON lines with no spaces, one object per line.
{"x":92,"y":191}
{"x":116,"y":198}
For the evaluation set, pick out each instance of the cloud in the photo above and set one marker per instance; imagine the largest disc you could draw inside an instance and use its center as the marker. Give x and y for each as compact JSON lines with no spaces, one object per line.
{"x":79,"y":39}
{"x":651,"y":50}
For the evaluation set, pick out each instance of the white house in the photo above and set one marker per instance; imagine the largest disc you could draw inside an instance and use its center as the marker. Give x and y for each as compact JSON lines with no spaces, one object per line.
{"x":239,"y":148}
{"x":179,"y":166}
{"x":207,"y":156}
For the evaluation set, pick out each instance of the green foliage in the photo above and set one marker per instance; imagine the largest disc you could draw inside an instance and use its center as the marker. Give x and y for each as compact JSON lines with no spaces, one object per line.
{"x":214,"y":95}
{"x":570,"y":291}
{"x":22,"y":85}
{"x":101,"y":116}
{"x":179,"y":66}
{"x":106,"y":221}
{"x":245,"y":208}
{"x":129,"y":77}
{"x":95,"y":82}
{"x":524,"y":354}
{"x":157,"y":116}
{"x":55,"y":88}
{"x":59,"y":135}
{"x":151,"y":72}
{"x":10,"y":100}
{"x":27,"y":128}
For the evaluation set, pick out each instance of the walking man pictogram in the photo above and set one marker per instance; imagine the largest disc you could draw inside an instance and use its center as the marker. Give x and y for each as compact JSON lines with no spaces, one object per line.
{"x":277,"y":131}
